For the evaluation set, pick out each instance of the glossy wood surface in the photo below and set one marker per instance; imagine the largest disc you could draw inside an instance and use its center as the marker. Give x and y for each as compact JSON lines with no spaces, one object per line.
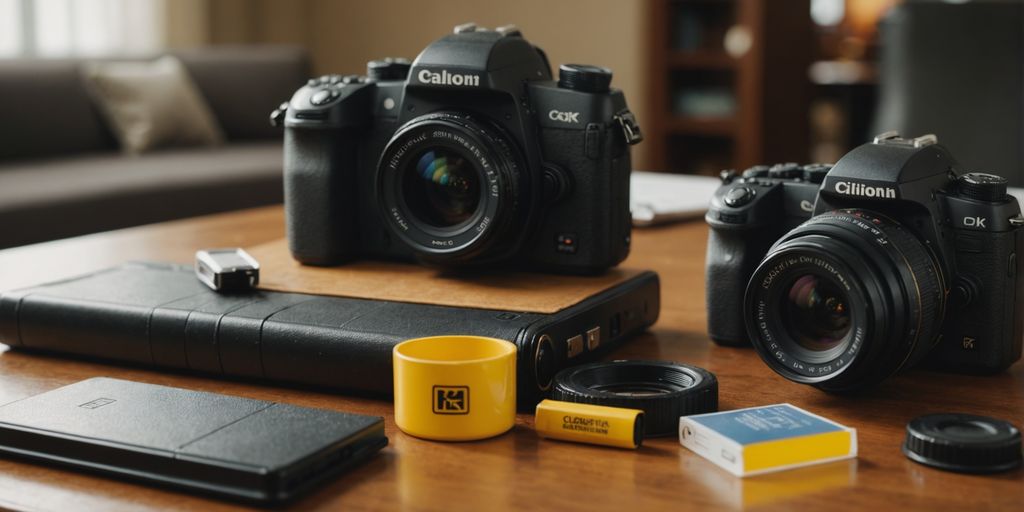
{"x":518,"y":471}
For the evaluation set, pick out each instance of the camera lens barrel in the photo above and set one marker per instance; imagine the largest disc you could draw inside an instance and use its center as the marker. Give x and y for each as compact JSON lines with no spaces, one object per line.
{"x":663,"y":390}
{"x":845,"y":300}
{"x":449,"y":187}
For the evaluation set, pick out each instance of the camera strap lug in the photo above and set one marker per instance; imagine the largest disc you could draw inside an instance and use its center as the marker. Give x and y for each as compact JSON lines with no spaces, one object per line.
{"x":1017,"y":220}
{"x":630,"y":128}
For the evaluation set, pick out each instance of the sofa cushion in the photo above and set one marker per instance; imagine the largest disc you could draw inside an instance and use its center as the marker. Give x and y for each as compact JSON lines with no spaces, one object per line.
{"x":152,"y":104}
{"x":243,"y":84}
{"x":46,"y":111}
{"x":56,"y":198}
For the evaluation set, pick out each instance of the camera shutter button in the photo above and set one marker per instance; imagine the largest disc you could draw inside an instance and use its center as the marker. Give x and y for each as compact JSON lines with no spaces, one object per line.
{"x":738,"y":196}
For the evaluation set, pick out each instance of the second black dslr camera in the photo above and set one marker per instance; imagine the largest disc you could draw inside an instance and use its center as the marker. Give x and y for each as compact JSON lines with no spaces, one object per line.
{"x":842,"y":275}
{"x":469,"y":154}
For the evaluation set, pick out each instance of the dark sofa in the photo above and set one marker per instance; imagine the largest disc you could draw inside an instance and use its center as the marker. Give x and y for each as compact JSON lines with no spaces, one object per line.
{"x":62,"y":174}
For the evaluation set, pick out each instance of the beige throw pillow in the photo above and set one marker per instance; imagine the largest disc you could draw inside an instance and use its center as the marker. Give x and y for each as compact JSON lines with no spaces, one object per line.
{"x":152,"y":104}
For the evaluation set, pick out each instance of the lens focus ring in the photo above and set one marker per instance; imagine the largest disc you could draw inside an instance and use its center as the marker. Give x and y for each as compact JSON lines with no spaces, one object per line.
{"x":925,"y":274}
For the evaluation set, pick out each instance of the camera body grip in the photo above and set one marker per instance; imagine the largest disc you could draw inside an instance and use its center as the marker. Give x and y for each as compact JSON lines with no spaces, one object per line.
{"x":983,"y":333}
{"x":747,"y":216}
{"x":732,"y":257}
{"x":319,"y":199}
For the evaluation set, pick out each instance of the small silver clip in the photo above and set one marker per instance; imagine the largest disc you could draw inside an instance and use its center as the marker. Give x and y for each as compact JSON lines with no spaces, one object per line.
{"x":884,"y":136}
{"x":925,"y":140}
{"x":1017,"y":220}
{"x":508,"y":31}
{"x":465,"y":27}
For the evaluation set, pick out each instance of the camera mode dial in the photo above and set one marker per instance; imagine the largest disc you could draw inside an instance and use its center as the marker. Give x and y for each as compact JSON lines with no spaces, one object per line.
{"x":815,"y":173}
{"x":584,"y":78}
{"x":786,"y":171}
{"x":738,"y":196}
{"x":983,"y":186}
{"x":757,"y":171}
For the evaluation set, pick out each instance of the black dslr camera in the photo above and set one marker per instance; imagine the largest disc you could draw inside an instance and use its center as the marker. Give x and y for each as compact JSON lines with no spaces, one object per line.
{"x":842,"y":275}
{"x":471,"y":154}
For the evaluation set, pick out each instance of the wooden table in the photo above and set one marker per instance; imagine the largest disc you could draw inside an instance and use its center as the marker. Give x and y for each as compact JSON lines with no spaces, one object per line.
{"x":518,"y":470}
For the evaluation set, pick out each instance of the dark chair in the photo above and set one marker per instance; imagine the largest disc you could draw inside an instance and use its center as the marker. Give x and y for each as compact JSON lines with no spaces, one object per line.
{"x":956,"y":70}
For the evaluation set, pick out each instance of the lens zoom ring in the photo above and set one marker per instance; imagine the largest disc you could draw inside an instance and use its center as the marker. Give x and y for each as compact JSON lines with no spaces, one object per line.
{"x":928,"y":287}
{"x":661,"y":411}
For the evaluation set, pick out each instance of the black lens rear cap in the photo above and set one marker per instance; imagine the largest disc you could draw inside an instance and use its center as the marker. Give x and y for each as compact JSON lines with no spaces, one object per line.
{"x":663,"y":390}
{"x":963,"y":443}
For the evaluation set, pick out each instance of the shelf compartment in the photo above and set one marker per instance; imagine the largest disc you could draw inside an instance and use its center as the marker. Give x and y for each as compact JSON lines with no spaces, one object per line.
{"x":712,"y":126}
{"x":700,"y":59}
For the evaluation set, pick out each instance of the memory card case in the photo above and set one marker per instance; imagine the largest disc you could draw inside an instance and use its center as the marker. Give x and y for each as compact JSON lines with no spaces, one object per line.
{"x":238,"y":448}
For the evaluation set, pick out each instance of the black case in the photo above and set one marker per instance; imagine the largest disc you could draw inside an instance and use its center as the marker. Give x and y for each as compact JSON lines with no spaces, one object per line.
{"x":227,"y":446}
{"x":160,"y":314}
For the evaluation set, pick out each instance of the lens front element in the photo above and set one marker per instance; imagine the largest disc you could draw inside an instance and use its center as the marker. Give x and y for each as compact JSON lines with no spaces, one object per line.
{"x":449,"y":187}
{"x":441,"y":188}
{"x":816,"y":314}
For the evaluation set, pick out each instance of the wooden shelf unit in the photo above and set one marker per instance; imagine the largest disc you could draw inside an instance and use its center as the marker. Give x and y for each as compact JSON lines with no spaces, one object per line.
{"x":747,"y":109}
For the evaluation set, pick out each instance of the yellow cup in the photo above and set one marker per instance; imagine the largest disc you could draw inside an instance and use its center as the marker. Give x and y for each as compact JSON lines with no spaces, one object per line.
{"x":455,"y":388}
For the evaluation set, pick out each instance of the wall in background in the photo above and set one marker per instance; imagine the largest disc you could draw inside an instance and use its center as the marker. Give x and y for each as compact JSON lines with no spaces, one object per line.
{"x":187,"y":23}
{"x":342,"y":36}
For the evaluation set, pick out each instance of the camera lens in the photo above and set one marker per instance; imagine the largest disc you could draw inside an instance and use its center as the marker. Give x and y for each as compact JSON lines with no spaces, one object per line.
{"x":816,"y":316}
{"x":845,"y":300}
{"x":449,"y":187}
{"x":441,"y":188}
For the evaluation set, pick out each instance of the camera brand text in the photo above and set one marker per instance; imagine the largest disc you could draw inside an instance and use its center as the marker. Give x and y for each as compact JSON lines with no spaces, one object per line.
{"x":565,"y":117}
{"x":852,"y":188}
{"x":426,"y":76}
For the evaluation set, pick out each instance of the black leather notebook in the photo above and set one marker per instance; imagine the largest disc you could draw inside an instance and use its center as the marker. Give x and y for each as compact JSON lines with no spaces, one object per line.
{"x":160,"y":314}
{"x":228,"y":446}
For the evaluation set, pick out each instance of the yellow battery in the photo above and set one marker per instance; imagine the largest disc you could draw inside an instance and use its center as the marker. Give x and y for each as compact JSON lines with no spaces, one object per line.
{"x":594,"y":424}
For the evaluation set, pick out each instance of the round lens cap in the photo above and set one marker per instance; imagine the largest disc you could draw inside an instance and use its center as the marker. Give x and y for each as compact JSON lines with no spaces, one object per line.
{"x":963,"y":443}
{"x":663,"y":390}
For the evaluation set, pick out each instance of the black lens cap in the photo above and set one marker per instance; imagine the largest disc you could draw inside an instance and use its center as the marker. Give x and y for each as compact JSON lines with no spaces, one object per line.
{"x":964,"y":443}
{"x":663,"y":390}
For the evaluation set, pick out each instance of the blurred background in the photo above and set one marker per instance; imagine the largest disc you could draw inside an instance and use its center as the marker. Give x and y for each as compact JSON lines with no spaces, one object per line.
{"x":715,"y":84}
